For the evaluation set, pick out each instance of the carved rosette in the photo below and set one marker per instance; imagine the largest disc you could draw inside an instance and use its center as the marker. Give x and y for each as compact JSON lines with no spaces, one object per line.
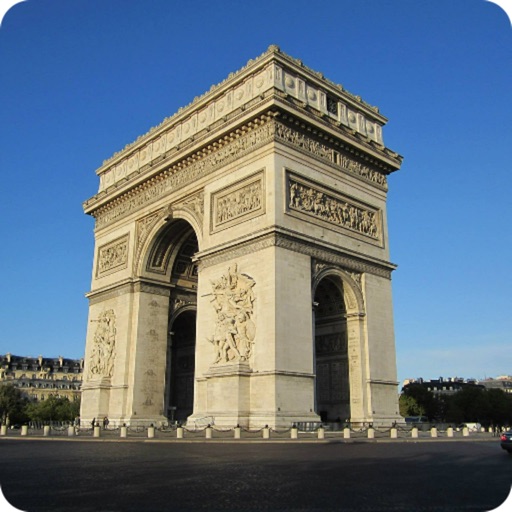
{"x":101,"y":360}
{"x":235,"y":330}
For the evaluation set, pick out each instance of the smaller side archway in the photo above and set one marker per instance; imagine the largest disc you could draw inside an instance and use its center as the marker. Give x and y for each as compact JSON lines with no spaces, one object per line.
{"x":338,"y":314}
{"x":179,"y":392}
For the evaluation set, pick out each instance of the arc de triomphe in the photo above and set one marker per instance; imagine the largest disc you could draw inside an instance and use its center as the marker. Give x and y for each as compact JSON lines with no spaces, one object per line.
{"x":241,"y":269}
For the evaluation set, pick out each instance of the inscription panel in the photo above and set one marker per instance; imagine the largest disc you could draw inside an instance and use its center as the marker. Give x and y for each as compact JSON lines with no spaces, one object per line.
{"x":329,"y":206}
{"x":237,"y":203}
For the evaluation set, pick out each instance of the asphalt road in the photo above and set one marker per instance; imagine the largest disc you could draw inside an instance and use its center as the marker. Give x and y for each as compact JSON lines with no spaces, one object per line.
{"x":87,"y":475}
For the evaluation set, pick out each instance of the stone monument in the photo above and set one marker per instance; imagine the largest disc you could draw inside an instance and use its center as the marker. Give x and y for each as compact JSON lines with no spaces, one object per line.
{"x":241,"y":270}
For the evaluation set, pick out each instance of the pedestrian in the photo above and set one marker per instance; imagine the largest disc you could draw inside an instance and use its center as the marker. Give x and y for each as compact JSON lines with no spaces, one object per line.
{"x":93,"y":422}
{"x":105,"y":423}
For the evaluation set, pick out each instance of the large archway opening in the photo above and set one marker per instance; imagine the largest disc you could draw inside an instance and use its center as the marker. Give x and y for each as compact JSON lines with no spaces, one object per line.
{"x":332,"y":390}
{"x":178,"y":245}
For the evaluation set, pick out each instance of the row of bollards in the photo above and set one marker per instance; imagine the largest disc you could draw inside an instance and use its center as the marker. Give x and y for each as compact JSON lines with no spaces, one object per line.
{"x":294,"y":432}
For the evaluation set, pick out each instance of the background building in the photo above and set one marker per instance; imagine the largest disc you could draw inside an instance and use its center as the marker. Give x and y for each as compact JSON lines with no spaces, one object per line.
{"x":41,"y":377}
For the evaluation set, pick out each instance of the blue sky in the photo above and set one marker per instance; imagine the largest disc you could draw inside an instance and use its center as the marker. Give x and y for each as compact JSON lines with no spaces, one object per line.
{"x":80,"y":79}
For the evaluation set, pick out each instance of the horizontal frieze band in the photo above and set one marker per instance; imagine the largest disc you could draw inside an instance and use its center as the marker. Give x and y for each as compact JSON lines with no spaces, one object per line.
{"x":296,"y":244}
{"x":128,"y":286}
{"x":254,"y":135}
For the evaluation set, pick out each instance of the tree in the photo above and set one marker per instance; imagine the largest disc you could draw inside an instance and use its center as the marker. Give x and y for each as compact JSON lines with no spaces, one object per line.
{"x":423,"y":401}
{"x":12,"y":404}
{"x":53,"y":409}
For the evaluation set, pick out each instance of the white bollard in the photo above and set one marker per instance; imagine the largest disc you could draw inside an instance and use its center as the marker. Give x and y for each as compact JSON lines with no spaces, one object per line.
{"x":179,"y":433}
{"x":96,"y":431}
{"x":371,"y":433}
{"x":321,"y":433}
{"x":123,"y":432}
{"x":294,"y":433}
{"x":465,"y":431}
{"x":24,"y":430}
{"x":346,"y":433}
{"x":393,"y":433}
{"x":449,"y":432}
{"x":71,"y":431}
{"x":433,"y":432}
{"x":237,"y":432}
{"x":46,"y":430}
{"x":3,"y":430}
{"x":208,"y":432}
{"x":266,"y":432}
{"x":151,"y":432}
{"x":414,"y":432}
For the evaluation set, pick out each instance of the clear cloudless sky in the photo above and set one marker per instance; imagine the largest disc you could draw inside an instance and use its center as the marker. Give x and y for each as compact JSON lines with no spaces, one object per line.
{"x":80,"y":79}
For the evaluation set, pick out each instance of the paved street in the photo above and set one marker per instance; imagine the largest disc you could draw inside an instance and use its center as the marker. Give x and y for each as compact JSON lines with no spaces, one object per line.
{"x":89,"y":475}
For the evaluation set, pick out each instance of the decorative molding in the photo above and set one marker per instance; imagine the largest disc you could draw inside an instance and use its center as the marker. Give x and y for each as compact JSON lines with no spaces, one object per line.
{"x":237,"y":203}
{"x":113,"y":256}
{"x":127,"y":286}
{"x":320,"y":269}
{"x":226,"y":150}
{"x":332,"y":207}
{"x":276,"y":239}
{"x":327,"y":153}
{"x":271,"y":73}
{"x":143,"y":228}
{"x":223,"y":152}
{"x":178,"y":303}
{"x":195,"y":205}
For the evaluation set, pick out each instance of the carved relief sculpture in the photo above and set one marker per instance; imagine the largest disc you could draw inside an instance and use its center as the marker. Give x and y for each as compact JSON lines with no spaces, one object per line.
{"x":113,"y":256}
{"x":101,"y":361}
{"x":237,"y":203}
{"x":335,"y":210}
{"x":234,"y":333}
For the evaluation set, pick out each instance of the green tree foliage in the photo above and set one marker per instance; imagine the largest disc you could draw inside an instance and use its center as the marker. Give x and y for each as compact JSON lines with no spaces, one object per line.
{"x":469,"y":404}
{"x":53,"y":409}
{"x":422,"y":401}
{"x":12,"y":405}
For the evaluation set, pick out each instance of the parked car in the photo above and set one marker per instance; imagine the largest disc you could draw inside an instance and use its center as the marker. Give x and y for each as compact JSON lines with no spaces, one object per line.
{"x":506,"y":441}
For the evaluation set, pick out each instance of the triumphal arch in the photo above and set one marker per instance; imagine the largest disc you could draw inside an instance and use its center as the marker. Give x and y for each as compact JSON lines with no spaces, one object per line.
{"x":241,"y":269}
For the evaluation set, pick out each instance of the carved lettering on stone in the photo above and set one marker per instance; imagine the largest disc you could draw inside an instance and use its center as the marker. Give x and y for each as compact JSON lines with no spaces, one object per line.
{"x":332,"y":208}
{"x":112,"y":256}
{"x":235,"y":330}
{"x":101,"y":360}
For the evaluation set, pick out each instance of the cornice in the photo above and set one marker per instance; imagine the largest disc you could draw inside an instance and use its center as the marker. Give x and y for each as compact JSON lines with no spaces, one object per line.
{"x":128,"y":286}
{"x":252,"y":66}
{"x":271,"y":75}
{"x":273,"y":125}
{"x":280,"y":237}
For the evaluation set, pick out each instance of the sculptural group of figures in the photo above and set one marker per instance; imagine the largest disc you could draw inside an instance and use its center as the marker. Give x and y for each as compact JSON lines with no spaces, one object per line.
{"x":321,"y":205}
{"x":242,"y":201}
{"x":101,"y":361}
{"x":235,"y":330}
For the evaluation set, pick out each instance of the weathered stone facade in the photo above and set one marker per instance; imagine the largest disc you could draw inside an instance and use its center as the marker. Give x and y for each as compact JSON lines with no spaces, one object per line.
{"x":221,"y":237}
